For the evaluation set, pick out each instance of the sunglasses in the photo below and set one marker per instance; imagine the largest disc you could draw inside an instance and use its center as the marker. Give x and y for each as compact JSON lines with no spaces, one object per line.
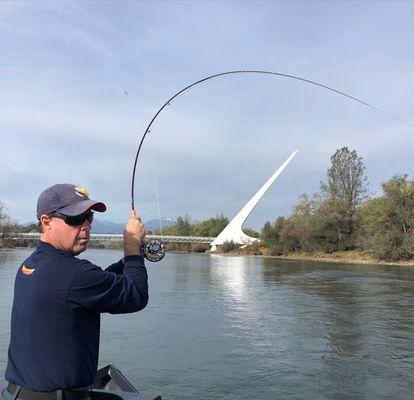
{"x":74,"y":220}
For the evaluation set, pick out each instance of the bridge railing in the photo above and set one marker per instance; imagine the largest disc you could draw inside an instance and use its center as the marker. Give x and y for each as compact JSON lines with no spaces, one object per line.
{"x":98,"y":237}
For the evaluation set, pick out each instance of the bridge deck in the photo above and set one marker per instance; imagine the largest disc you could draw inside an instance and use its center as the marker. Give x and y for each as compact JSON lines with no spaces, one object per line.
{"x":118,"y":238}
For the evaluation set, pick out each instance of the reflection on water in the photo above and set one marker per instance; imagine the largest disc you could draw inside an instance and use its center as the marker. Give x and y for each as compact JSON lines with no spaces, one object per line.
{"x":365,"y":316}
{"x":231,"y":280}
{"x":246,"y":327}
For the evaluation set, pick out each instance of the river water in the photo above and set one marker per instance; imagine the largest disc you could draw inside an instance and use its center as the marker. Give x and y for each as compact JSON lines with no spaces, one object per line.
{"x":252,"y":328}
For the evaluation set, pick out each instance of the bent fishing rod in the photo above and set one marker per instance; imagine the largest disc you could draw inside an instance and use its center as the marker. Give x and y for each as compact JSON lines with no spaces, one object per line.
{"x":154,"y":250}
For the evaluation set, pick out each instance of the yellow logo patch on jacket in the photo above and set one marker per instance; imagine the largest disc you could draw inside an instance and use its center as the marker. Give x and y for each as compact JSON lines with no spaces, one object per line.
{"x":28,"y":271}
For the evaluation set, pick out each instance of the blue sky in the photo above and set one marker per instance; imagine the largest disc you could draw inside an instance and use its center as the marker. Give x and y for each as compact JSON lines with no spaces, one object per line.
{"x":64,"y":67}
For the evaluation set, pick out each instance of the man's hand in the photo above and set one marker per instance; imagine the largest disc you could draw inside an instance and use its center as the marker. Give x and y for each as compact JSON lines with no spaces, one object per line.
{"x":134,"y":234}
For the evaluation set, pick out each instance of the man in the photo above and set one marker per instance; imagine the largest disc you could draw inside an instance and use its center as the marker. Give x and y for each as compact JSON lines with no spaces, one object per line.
{"x":58,"y":298}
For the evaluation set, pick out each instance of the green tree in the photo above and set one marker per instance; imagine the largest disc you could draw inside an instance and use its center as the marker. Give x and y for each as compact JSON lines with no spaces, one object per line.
{"x":303,"y":222}
{"x":28,"y":228}
{"x":342,"y":195}
{"x":329,"y":229}
{"x":211,"y":227}
{"x":388,"y":221}
{"x":251,"y":232}
{"x":289,"y":240}
{"x":182,"y":227}
{"x":399,"y":193}
{"x":226,"y":247}
{"x":270,"y":234}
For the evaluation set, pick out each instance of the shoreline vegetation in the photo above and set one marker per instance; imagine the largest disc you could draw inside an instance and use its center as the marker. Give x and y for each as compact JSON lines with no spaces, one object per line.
{"x":342,"y":257}
{"x":340,"y":223}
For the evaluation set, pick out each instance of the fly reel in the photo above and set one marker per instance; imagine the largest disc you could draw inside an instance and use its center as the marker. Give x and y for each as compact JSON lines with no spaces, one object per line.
{"x":153,"y":251}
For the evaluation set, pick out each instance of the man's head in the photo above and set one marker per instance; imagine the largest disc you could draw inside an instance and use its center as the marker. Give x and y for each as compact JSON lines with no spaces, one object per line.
{"x":65,"y":215}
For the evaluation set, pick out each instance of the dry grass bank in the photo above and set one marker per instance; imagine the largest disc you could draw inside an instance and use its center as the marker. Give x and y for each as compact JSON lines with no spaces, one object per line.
{"x":345,"y":257}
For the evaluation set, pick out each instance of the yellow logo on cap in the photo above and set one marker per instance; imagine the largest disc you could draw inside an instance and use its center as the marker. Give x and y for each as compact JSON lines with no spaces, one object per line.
{"x":28,"y":271}
{"x":81,"y":192}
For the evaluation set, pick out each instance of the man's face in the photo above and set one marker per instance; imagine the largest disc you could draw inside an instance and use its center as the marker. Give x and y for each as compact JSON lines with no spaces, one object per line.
{"x":72,"y":239}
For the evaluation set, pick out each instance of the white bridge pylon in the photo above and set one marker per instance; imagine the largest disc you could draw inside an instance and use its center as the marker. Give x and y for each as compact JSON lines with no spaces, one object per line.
{"x":233,"y":231}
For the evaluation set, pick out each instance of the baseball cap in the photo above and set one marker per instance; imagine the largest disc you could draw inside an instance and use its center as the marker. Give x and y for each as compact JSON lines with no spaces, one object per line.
{"x":66,"y":199}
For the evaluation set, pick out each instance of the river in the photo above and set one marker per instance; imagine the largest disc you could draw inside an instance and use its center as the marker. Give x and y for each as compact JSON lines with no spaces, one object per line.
{"x":252,"y":328}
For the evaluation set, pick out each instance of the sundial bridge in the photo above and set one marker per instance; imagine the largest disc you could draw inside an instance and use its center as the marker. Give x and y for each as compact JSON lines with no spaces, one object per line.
{"x":232,"y":232}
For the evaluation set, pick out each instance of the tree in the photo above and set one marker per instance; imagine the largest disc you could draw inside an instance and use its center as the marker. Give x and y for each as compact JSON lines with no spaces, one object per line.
{"x":211,"y":227}
{"x":270,"y":234}
{"x":183,"y":226}
{"x":399,"y":192}
{"x":388,"y":221}
{"x":251,"y":232}
{"x":289,"y":240}
{"x":5,"y":225}
{"x":342,"y":196}
{"x":228,"y":246}
{"x":3,"y":213}
{"x":303,"y":221}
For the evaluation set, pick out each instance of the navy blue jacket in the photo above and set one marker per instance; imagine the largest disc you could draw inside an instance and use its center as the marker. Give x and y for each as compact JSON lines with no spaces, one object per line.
{"x":55,"y":320}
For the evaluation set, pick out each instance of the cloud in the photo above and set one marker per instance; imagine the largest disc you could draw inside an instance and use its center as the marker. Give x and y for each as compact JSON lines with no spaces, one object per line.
{"x":65,"y":117}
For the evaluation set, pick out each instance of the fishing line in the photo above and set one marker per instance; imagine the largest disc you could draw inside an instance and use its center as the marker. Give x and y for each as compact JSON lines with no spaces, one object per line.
{"x":154,"y":176}
{"x":158,"y":245}
{"x":154,"y":250}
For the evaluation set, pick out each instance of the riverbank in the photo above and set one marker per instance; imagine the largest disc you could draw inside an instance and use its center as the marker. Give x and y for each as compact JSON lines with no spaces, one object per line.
{"x":340,"y":257}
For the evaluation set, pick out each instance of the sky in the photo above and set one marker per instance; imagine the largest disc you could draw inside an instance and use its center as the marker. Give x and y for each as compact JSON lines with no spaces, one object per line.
{"x":65,"y":117}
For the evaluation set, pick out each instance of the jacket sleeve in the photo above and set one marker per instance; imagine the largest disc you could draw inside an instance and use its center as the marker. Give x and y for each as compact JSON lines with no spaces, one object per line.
{"x":117,"y":267}
{"x":106,"y":291}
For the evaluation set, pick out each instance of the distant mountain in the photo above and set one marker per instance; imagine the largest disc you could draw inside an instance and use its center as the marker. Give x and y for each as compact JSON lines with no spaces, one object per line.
{"x":110,"y":227}
{"x":154,"y":224}
{"x":106,"y":227}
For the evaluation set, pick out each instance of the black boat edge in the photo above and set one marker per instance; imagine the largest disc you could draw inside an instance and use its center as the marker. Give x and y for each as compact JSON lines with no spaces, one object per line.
{"x":110,"y":384}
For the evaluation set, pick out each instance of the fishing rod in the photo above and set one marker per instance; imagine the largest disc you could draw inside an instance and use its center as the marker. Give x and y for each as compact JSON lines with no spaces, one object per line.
{"x":154,"y":250}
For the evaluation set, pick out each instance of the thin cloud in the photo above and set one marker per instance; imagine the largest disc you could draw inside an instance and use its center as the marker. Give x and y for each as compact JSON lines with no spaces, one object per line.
{"x":65,"y":116}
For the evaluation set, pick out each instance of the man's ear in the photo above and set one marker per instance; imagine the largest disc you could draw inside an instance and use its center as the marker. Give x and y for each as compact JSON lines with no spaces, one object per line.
{"x":45,"y":222}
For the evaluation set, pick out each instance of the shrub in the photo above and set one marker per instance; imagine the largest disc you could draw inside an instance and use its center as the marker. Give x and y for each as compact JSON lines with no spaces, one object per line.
{"x":199,"y":247}
{"x":226,"y":247}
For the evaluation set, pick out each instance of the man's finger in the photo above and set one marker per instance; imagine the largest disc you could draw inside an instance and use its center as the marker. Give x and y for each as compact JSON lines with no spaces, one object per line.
{"x":135,"y":216}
